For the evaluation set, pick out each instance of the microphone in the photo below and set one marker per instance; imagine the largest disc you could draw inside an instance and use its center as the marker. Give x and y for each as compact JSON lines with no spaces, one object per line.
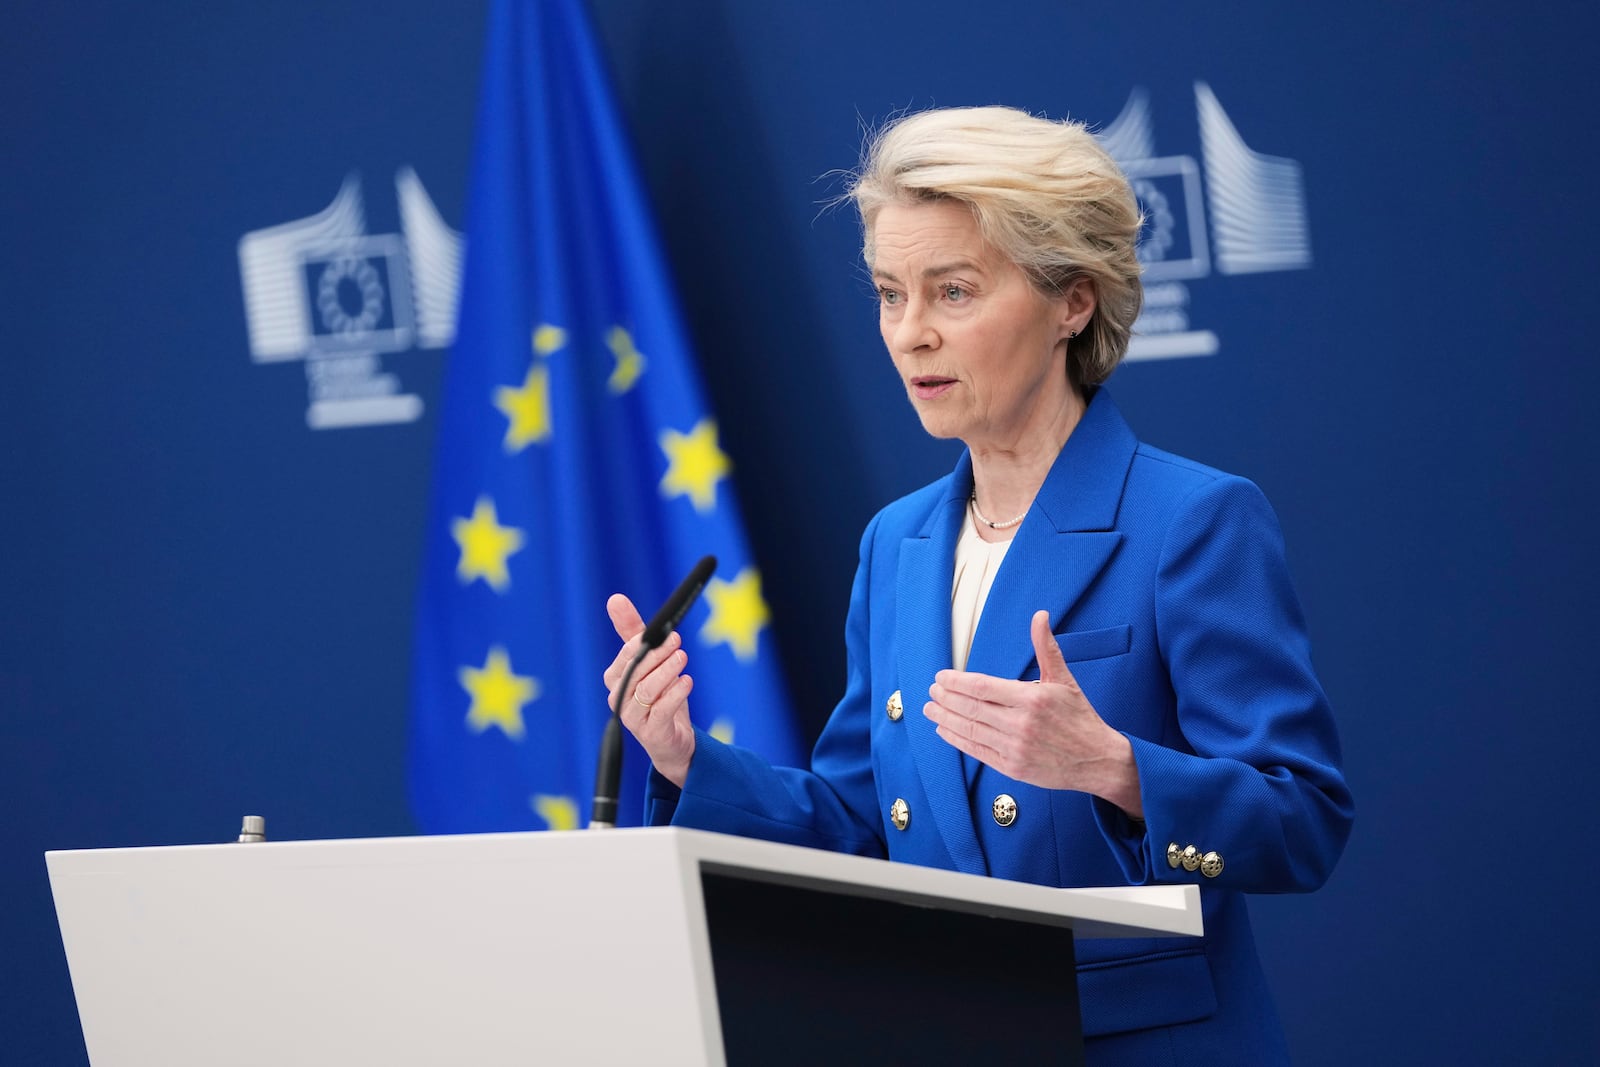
{"x":608,"y":772}
{"x":677,"y":606}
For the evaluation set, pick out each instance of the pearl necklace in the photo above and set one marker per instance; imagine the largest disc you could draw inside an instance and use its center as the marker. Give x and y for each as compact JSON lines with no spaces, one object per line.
{"x":973,"y":500}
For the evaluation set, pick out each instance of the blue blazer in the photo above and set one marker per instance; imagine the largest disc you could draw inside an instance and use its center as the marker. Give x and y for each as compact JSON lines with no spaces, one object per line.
{"x":1171,"y":600}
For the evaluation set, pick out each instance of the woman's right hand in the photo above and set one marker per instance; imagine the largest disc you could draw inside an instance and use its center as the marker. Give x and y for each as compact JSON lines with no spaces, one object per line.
{"x":656,"y":711}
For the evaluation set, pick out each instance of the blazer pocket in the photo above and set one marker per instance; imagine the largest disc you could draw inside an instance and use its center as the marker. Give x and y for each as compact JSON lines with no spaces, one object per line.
{"x":1095,"y":644}
{"x":1140,"y":992}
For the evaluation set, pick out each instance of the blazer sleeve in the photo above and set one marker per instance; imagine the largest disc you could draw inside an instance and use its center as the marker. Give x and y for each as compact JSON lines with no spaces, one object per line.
{"x":1253,"y":771}
{"x":832,"y":806}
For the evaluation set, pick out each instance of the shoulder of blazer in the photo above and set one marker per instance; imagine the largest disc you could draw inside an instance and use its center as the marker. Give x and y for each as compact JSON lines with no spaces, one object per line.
{"x":1158,"y":461}
{"x":1183,"y":483}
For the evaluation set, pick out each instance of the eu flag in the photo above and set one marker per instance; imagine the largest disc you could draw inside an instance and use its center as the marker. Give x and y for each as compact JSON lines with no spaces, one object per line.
{"x":576,"y":458}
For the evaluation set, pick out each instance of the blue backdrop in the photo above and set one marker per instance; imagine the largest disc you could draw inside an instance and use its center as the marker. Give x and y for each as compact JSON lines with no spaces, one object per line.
{"x":208,"y":603}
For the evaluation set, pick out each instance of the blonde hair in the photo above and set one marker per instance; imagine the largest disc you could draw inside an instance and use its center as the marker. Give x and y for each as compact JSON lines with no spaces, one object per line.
{"x":1045,"y":195}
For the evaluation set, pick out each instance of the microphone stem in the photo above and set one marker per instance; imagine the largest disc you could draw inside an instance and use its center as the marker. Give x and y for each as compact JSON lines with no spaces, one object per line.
{"x":608,"y":771}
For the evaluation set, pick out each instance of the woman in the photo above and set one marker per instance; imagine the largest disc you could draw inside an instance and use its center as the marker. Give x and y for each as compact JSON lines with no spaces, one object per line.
{"x":1076,"y":660}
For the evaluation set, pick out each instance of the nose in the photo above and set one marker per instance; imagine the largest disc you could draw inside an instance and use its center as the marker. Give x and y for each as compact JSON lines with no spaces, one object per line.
{"x":913,"y":330}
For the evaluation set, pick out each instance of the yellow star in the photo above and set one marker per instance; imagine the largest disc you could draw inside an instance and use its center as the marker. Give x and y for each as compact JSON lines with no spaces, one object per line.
{"x":737,"y":613}
{"x":722,"y":730}
{"x":485,"y":546}
{"x":497,"y":694}
{"x":558,"y":813}
{"x":548,"y":338}
{"x":528,"y":409}
{"x":630,"y":361}
{"x":694,"y":464}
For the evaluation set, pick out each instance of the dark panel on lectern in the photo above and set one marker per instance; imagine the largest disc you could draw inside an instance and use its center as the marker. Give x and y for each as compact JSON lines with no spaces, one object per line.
{"x":807,"y":977}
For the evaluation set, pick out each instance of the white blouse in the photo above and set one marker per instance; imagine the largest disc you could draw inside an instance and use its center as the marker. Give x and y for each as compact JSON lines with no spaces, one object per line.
{"x":977,"y":562}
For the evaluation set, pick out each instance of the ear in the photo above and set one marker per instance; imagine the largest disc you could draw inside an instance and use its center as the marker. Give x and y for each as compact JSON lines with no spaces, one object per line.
{"x":1077,"y":302}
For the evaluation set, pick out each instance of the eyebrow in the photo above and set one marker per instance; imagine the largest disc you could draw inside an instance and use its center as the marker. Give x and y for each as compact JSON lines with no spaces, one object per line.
{"x":934,"y":271}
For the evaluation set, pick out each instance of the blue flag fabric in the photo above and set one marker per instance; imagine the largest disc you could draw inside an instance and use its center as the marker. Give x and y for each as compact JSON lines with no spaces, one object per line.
{"x":576,"y":458}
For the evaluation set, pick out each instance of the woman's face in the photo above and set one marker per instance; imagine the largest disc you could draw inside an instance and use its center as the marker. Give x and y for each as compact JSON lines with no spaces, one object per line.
{"x":980,"y":349}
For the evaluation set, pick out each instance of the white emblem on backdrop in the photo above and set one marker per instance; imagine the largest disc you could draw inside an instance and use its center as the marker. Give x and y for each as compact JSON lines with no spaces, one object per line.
{"x":1257,"y":212}
{"x":323,"y":290}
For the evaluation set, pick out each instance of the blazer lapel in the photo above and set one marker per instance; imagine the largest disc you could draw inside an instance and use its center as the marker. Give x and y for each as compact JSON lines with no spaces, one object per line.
{"x":922,"y":649}
{"x":1063,"y":544}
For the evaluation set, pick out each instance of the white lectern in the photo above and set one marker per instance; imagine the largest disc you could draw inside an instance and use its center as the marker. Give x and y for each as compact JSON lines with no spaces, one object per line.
{"x":659,"y":946}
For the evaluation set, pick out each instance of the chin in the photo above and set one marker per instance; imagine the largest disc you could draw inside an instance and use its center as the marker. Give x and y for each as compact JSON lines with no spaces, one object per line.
{"x":937,"y":418}
{"x":937,"y":427}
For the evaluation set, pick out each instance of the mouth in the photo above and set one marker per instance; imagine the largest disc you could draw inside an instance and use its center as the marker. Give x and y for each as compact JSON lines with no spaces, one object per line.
{"x":929,"y":386}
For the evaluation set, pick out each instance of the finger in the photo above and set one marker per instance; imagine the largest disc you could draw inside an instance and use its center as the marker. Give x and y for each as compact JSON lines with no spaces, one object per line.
{"x":645,"y":688}
{"x":625,"y":618}
{"x":626,"y":621}
{"x":619,"y":666}
{"x":629,"y":651}
{"x":979,"y":730}
{"x":668,"y":715}
{"x":976,"y":749}
{"x":1052,"y":665}
{"x":951,"y":702}
{"x":1007,"y":692}
{"x":654,"y":685}
{"x":673,"y":701}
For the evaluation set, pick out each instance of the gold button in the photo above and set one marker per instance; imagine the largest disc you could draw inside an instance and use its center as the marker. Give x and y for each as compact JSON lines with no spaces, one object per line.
{"x":1174,"y":854}
{"x":900,"y":814}
{"x":1211,"y":865}
{"x":1191,"y":858}
{"x":894,"y":707}
{"x":1005,"y":809}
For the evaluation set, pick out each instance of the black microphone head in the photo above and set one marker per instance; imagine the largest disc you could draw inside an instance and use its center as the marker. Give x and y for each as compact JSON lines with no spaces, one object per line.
{"x":677,"y":606}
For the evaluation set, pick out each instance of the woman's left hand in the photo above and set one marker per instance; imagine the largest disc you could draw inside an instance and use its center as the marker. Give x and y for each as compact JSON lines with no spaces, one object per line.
{"x":1045,"y":733}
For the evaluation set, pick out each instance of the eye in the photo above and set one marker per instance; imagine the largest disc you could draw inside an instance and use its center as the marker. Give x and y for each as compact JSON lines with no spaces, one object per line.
{"x":888,"y":297}
{"x":955,"y":293}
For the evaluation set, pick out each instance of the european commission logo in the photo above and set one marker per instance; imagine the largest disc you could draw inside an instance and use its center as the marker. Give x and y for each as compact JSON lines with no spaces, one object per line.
{"x":1255,"y":203}
{"x":323,"y":290}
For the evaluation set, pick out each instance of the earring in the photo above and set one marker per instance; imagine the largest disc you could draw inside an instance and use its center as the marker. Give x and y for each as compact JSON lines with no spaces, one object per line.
{"x":1071,"y":334}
